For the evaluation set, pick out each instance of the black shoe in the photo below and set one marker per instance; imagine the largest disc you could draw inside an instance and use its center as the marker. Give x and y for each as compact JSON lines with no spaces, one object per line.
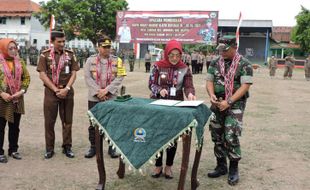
{"x":49,"y":154}
{"x":157,"y":175}
{"x":233,"y":175}
{"x":113,"y":153}
{"x":68,"y":152}
{"x":3,"y":159}
{"x":220,"y":169}
{"x":90,"y":153}
{"x":168,"y":176}
{"x":15,"y":155}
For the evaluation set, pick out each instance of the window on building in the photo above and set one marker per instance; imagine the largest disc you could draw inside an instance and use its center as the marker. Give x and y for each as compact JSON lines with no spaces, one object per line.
{"x":22,"y":20}
{"x":47,"y":42}
{"x":2,"y":20}
{"x":34,"y":41}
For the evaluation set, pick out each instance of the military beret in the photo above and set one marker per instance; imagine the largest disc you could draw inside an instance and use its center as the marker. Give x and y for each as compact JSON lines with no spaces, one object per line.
{"x":225,"y":42}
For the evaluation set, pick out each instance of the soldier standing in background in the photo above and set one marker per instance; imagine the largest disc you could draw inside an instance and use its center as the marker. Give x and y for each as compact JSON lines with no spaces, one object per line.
{"x":272,"y":65}
{"x":307,"y":68}
{"x":288,"y":67}
{"x":147,"y":59}
{"x":33,"y":55}
{"x":194,"y":58}
{"x":131,"y":60}
{"x":208,"y":60}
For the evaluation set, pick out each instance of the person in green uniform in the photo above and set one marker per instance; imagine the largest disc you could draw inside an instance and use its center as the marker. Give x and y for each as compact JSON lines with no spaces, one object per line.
{"x":228,"y":81}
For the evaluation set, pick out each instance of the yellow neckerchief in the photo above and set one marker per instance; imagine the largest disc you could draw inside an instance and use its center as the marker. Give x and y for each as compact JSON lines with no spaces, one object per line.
{"x":10,"y":64}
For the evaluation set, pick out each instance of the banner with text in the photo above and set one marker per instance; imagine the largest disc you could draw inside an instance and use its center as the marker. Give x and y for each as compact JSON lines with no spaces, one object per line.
{"x":189,"y":27}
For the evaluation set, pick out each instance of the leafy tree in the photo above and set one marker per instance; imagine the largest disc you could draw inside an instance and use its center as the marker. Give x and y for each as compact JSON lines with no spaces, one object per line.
{"x":84,"y":19}
{"x":301,"y":32}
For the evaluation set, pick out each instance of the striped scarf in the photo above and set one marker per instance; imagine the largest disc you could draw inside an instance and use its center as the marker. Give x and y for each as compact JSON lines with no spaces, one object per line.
{"x":229,"y":76}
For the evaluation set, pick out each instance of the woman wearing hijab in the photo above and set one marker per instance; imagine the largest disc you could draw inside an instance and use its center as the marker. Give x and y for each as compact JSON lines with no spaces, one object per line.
{"x":170,"y":79}
{"x":14,"y":81}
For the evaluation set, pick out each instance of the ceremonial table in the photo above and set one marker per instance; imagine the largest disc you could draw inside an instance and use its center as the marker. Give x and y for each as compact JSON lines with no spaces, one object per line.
{"x":139,"y":130}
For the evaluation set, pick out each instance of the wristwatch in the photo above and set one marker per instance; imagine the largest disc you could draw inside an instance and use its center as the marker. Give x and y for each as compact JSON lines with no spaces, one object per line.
{"x":68,"y":88}
{"x":229,"y":101}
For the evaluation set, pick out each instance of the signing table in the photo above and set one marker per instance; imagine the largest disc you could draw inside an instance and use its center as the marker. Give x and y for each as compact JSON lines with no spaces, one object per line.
{"x":139,"y":131}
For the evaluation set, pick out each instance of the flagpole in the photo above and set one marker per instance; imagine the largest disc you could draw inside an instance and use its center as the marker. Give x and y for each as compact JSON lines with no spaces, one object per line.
{"x":52,"y":24}
{"x":238,"y":30}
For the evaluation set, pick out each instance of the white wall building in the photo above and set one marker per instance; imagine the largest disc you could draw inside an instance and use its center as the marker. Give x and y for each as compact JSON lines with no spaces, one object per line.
{"x":17,"y":22}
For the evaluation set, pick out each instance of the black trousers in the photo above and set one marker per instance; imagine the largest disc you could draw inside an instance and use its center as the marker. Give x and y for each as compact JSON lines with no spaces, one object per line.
{"x":194,"y":67}
{"x":13,"y":133}
{"x":147,"y":66}
{"x":91,"y":130}
{"x":170,"y":156}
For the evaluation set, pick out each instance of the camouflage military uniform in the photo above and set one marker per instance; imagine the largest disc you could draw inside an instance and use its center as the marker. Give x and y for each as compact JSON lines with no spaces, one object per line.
{"x":289,"y":66}
{"x":226,"y":126}
{"x":33,"y":55}
{"x":131,"y":60}
{"x":272,"y":64}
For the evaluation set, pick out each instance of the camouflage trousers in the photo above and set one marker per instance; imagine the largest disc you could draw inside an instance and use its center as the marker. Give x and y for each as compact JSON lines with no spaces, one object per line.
{"x":131,"y":66}
{"x":307,"y":73}
{"x":272,"y":71}
{"x":225,"y":128}
{"x":288,"y":71}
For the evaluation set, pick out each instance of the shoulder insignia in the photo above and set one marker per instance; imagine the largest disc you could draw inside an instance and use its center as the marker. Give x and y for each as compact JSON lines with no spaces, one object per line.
{"x":68,"y":50}
{"x":47,"y":50}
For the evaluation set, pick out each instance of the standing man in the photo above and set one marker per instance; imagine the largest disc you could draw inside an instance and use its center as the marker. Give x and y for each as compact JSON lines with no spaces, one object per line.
{"x":289,"y":66}
{"x":103,"y":73}
{"x":131,"y":60}
{"x":194,"y":59}
{"x":57,"y":67}
{"x":228,"y":81}
{"x":307,"y":68}
{"x":147,"y":59}
{"x":272,"y":64}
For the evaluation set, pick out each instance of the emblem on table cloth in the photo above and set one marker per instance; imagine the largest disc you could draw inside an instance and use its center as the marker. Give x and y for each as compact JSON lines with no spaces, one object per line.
{"x":139,"y":134}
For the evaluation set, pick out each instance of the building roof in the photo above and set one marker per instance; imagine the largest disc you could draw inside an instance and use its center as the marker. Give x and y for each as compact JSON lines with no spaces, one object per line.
{"x":282,"y":33}
{"x":284,"y":45}
{"x":245,"y":23}
{"x":13,"y":8}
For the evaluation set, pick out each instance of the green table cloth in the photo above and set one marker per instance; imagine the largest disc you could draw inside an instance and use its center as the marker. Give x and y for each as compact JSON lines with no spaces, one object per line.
{"x":139,"y":130}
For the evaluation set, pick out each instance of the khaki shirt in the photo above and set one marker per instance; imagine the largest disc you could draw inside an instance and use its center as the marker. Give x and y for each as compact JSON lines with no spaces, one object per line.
{"x":45,"y":65}
{"x":90,"y":74}
{"x":307,"y":63}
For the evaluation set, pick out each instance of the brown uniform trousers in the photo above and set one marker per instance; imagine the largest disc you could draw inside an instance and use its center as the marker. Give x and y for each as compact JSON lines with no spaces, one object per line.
{"x":51,"y":106}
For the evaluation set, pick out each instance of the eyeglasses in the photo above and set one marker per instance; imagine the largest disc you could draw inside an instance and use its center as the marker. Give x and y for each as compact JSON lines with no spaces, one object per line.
{"x":174,"y":55}
{"x":12,"y":48}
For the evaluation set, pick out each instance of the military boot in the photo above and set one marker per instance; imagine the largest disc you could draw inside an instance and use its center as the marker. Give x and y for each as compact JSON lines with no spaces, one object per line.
{"x":233,"y":175}
{"x":91,"y":152}
{"x":220,"y":169}
{"x":112,"y":152}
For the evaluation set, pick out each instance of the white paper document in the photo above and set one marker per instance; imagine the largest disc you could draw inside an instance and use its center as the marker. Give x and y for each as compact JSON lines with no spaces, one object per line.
{"x":165,"y":102}
{"x":193,"y":103}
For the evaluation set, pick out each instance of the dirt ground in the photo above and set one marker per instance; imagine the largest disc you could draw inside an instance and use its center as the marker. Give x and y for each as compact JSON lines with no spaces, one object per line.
{"x":275,"y":141}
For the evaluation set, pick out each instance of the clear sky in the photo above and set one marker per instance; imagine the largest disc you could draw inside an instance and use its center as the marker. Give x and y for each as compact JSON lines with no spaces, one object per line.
{"x":281,"y":12}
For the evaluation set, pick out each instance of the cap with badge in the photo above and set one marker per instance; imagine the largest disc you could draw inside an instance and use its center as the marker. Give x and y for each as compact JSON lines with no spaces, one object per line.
{"x":225,"y":42}
{"x":104,"y":42}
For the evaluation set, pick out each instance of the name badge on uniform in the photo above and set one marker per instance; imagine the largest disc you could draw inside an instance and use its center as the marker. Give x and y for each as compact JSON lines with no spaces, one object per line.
{"x":67,"y":69}
{"x":173,"y":91}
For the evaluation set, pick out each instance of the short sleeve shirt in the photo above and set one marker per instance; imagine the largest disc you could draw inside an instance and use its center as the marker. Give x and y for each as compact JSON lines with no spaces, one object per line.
{"x":243,"y":75}
{"x":45,"y":65}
